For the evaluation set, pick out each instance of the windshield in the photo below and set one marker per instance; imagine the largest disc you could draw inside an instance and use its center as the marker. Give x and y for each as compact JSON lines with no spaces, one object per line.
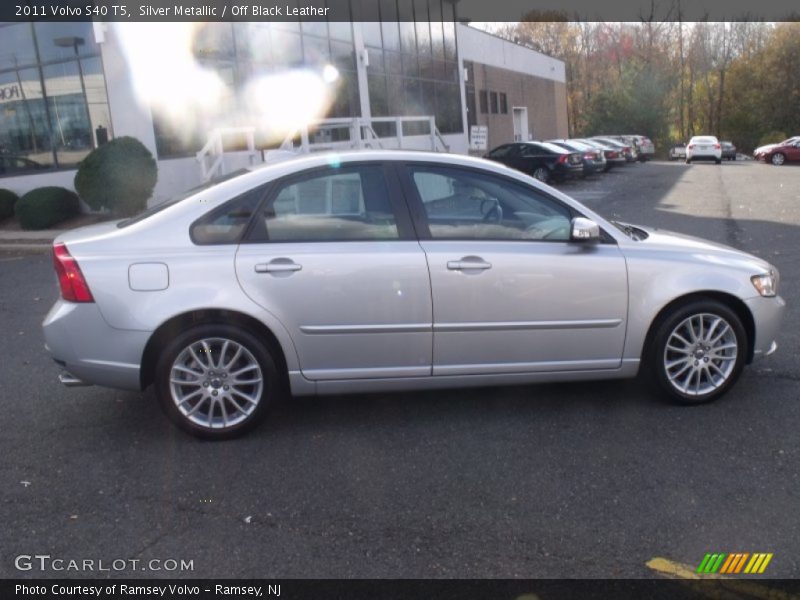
{"x":157,"y":208}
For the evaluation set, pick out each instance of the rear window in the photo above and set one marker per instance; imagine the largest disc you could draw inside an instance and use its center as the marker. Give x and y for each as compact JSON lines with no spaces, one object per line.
{"x":704,"y":140}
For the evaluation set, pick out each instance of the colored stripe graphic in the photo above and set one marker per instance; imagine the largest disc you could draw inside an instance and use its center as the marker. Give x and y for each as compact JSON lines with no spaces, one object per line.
{"x":735,"y":563}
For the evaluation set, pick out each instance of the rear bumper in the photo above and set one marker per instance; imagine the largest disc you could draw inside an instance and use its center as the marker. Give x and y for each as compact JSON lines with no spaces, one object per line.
{"x":92,"y":352}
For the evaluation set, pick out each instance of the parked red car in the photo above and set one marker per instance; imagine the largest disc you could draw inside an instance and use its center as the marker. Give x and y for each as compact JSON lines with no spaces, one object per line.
{"x":778,"y":154}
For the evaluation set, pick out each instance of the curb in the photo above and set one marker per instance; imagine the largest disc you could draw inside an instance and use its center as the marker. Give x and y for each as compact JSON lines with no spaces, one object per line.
{"x":27,"y":246}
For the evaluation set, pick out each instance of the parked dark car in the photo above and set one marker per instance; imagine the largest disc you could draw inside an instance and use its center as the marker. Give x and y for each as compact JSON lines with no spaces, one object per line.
{"x":613,"y":156}
{"x":546,"y":162}
{"x":593,"y":159}
{"x":778,"y":154}
{"x":728,"y":151}
{"x":628,"y":150}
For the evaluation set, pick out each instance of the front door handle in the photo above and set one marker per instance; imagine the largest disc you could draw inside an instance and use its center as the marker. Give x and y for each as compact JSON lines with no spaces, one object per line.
{"x":279,"y":265}
{"x":468,"y":263}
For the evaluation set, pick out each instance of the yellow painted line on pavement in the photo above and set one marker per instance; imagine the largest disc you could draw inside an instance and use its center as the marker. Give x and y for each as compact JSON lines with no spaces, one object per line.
{"x":726,"y":588}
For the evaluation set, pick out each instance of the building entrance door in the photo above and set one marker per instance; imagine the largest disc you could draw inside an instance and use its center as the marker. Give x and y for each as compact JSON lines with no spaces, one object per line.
{"x":520,"y":116}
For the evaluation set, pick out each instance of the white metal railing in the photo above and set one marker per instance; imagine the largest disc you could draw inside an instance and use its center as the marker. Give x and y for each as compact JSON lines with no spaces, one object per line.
{"x":361,"y":134}
{"x":212,"y":156}
{"x":318,"y":135}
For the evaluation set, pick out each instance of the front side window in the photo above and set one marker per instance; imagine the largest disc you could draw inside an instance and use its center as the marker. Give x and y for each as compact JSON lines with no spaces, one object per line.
{"x":465,"y":204}
{"x":337,"y":204}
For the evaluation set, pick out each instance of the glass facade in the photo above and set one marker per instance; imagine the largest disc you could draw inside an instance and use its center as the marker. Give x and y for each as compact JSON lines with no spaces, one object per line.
{"x":53,"y":104}
{"x":411,"y":53}
{"x":241,"y":52}
{"x":413,"y":66}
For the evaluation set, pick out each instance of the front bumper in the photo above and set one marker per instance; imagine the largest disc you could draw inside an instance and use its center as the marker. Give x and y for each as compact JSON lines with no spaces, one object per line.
{"x":768,"y":317}
{"x":92,"y":352}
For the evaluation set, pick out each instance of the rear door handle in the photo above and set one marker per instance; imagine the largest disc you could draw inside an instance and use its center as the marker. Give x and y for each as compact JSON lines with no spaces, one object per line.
{"x":279,"y":265}
{"x":467,"y":263}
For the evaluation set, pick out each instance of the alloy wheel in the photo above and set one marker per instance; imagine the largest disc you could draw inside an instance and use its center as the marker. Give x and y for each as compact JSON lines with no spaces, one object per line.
{"x":700,"y":354}
{"x":216,"y":382}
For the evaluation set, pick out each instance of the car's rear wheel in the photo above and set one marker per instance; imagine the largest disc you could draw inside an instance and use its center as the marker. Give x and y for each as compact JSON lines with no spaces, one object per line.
{"x":688,"y":161}
{"x":698,"y":352}
{"x":718,"y":161}
{"x":542,"y":174}
{"x":216,"y":381}
{"x":778,"y":159}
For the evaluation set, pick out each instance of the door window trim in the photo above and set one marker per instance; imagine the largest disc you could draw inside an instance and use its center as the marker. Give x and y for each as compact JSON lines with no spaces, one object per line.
{"x":254,"y":234}
{"x":417,"y":208}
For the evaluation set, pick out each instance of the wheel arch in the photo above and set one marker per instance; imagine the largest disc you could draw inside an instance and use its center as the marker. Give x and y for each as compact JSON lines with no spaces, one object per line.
{"x":183,"y":321}
{"x":732,"y":302}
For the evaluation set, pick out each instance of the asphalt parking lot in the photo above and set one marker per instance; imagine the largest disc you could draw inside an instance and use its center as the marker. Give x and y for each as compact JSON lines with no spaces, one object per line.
{"x":577,"y":480}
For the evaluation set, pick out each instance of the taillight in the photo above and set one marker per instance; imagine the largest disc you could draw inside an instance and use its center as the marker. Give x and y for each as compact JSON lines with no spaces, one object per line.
{"x":562,"y":159}
{"x":73,"y":285}
{"x":690,"y":146}
{"x":717,"y":146}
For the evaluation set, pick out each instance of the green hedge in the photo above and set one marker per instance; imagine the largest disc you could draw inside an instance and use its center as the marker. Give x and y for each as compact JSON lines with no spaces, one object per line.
{"x":118,"y":176}
{"x":44,"y":207}
{"x":7,"y":201}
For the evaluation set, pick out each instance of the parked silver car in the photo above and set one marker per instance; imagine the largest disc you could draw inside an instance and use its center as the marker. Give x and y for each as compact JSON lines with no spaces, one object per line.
{"x":390,"y":270}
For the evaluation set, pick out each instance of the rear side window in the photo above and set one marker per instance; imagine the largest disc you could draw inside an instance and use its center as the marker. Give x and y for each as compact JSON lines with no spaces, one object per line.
{"x":227,"y":224}
{"x":336,"y":204}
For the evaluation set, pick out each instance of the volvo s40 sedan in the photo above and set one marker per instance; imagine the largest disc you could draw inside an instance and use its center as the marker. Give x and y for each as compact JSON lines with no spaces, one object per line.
{"x":392,"y":270}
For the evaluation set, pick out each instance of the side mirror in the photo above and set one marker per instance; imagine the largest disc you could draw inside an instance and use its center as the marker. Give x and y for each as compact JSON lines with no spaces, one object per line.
{"x":584,"y":230}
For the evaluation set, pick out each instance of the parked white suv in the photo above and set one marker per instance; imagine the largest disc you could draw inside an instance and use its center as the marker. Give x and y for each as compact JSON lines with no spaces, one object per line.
{"x":704,"y":147}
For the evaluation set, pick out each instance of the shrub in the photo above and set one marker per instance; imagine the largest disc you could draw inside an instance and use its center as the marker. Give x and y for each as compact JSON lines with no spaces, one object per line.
{"x":7,"y":201}
{"x":45,"y":206}
{"x":773,"y":137}
{"x":118,"y":176}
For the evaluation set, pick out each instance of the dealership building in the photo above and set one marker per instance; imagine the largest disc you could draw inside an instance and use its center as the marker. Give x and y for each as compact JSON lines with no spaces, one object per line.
{"x":208,"y":98}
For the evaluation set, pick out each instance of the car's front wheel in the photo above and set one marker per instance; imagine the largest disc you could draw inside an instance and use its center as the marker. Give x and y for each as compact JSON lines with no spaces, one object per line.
{"x":216,"y":381}
{"x":778,"y":159}
{"x":698,"y":352}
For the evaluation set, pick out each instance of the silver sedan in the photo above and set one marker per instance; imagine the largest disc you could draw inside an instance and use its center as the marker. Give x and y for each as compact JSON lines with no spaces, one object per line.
{"x":389,"y":270}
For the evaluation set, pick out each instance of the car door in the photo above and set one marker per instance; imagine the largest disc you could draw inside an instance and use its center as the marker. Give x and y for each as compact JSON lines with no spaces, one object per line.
{"x":511,"y":292}
{"x":793,"y":152}
{"x":333,"y":256}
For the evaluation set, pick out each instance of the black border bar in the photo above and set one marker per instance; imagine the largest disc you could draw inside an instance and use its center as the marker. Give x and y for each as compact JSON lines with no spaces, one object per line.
{"x":402,"y":589}
{"x":356,"y":10}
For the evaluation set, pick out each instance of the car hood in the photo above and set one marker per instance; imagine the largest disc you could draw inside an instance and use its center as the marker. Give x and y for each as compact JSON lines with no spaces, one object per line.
{"x":765,"y":148}
{"x":698,"y":248}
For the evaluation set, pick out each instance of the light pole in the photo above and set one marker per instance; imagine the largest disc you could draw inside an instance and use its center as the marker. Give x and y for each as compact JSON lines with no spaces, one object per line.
{"x":73,"y":42}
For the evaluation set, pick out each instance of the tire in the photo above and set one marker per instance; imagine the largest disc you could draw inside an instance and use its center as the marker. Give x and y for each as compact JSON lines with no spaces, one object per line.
{"x":688,"y":161}
{"x":542,"y":174}
{"x":233,"y":409}
{"x":718,"y":161}
{"x":778,"y":159}
{"x":683,"y":373}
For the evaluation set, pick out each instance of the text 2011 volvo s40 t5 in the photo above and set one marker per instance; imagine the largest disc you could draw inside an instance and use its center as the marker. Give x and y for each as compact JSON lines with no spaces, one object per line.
{"x":393,"y":270}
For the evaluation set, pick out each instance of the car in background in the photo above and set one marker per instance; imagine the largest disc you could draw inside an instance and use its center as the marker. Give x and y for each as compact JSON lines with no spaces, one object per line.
{"x":778,"y":154}
{"x":593,"y":159}
{"x":613,"y":155}
{"x":18,"y":164}
{"x":728,"y":150}
{"x":644,"y":146}
{"x":677,"y":151}
{"x":541,"y":160}
{"x":377,"y":271}
{"x":704,"y":147}
{"x":628,"y":150}
{"x":761,"y":151}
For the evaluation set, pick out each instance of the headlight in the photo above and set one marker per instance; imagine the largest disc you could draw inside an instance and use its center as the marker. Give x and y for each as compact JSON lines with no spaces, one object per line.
{"x":766,"y":284}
